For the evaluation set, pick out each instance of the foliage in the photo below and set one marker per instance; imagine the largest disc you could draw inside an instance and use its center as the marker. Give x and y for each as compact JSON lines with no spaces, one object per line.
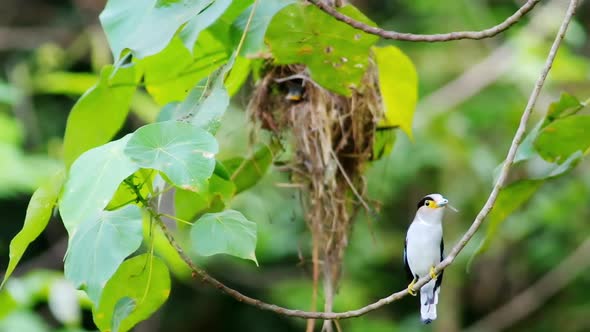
{"x":337,"y":60}
{"x":38,"y":213}
{"x":537,"y":145}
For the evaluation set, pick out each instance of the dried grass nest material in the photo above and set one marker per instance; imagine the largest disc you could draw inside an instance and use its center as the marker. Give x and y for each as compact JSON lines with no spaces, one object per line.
{"x":332,"y":136}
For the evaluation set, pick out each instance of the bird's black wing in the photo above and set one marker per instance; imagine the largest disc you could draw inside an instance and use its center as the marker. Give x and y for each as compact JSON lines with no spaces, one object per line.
{"x":440,"y":276}
{"x":406,"y":265}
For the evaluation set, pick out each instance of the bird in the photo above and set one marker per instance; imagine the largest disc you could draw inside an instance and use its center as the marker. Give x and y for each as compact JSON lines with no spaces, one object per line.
{"x":423,"y":250}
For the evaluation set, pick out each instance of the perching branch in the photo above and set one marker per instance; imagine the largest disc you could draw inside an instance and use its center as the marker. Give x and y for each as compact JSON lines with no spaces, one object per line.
{"x":440,"y":37}
{"x":197,"y":272}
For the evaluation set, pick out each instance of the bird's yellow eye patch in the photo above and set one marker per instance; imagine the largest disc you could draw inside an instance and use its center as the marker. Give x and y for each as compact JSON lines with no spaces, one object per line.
{"x":431,"y":204}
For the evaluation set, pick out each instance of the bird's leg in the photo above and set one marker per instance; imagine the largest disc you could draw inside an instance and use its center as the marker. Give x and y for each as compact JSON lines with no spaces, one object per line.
{"x":411,"y":290}
{"x":432,"y":274}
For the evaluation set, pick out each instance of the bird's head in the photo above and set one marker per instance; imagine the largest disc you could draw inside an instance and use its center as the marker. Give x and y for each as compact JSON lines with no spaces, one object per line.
{"x":431,"y":208}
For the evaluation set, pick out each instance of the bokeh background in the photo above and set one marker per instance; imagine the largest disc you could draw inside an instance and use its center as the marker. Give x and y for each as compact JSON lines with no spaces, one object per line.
{"x":471,"y":96}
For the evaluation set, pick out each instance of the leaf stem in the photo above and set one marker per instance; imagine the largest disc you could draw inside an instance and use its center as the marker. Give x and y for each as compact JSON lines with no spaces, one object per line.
{"x":176,"y":219}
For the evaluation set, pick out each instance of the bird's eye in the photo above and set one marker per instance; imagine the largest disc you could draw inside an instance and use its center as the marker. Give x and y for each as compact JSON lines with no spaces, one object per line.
{"x":427,"y":203}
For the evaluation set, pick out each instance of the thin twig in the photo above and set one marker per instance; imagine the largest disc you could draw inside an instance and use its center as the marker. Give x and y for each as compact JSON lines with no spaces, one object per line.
{"x":454,"y":252}
{"x":442,"y":37}
{"x":534,"y":296}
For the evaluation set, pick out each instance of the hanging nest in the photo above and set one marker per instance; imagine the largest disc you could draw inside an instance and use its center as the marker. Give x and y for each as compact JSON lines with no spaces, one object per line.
{"x":333,"y":139}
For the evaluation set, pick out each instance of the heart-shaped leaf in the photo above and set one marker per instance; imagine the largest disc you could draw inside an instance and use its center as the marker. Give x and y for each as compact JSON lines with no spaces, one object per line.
{"x":99,"y":114}
{"x":263,"y":14}
{"x":183,"y":152}
{"x":246,"y":172}
{"x":193,"y":28}
{"x":92,"y":182}
{"x":174,"y":71}
{"x":99,"y":246}
{"x":146,"y":26}
{"x":227,"y":232}
{"x":139,"y":287}
{"x":337,"y":57}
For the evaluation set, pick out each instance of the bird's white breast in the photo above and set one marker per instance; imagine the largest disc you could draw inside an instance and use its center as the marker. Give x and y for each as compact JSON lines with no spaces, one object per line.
{"x":423,"y":246}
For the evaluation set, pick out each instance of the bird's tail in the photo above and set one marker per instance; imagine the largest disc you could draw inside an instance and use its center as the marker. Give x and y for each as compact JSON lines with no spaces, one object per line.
{"x":428,"y":302}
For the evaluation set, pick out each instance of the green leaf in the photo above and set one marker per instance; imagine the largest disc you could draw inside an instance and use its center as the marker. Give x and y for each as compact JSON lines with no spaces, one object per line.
{"x":398,"y":83}
{"x":563,"y":137}
{"x":64,"y":83}
{"x":7,"y":305}
{"x":92,"y":182}
{"x":146,"y":26}
{"x":526,"y":150}
{"x":570,"y":163}
{"x":164,"y":250}
{"x":515,"y":195}
{"x":509,"y":199}
{"x":263,"y":14}
{"x":208,"y":109}
{"x":125,"y":194}
{"x":143,"y":280}
{"x":180,"y":150}
{"x":221,"y":188}
{"x":221,"y":171}
{"x":99,"y":113}
{"x":383,"y":143}
{"x":38,"y":213}
{"x":99,"y":246}
{"x":227,"y":232}
{"x":123,"y":308}
{"x":193,"y":28}
{"x":223,"y":29}
{"x":238,"y":75}
{"x":336,"y":57}
{"x":565,"y":106}
{"x":245,"y":173}
{"x":208,"y":101}
{"x":558,"y":137}
{"x":189,"y":205}
{"x":170,"y":74}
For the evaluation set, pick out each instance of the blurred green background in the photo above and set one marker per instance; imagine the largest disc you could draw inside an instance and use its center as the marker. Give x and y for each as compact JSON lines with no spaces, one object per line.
{"x":471,"y":96}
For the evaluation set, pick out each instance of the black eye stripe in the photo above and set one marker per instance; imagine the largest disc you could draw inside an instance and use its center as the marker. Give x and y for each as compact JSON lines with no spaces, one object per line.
{"x":424,"y":200}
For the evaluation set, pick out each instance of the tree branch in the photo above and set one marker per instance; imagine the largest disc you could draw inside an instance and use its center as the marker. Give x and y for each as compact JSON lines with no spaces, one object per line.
{"x":442,"y":37}
{"x":451,"y":256}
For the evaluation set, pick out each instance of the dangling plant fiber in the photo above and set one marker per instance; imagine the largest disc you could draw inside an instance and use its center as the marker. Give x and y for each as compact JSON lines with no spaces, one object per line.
{"x":332,"y":136}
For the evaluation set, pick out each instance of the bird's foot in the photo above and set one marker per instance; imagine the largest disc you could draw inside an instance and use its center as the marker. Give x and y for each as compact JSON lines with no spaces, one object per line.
{"x":411,"y":290}
{"x":432,"y":274}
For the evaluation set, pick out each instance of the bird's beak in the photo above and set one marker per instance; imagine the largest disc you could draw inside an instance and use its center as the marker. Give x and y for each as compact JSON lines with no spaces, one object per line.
{"x":445,"y":202}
